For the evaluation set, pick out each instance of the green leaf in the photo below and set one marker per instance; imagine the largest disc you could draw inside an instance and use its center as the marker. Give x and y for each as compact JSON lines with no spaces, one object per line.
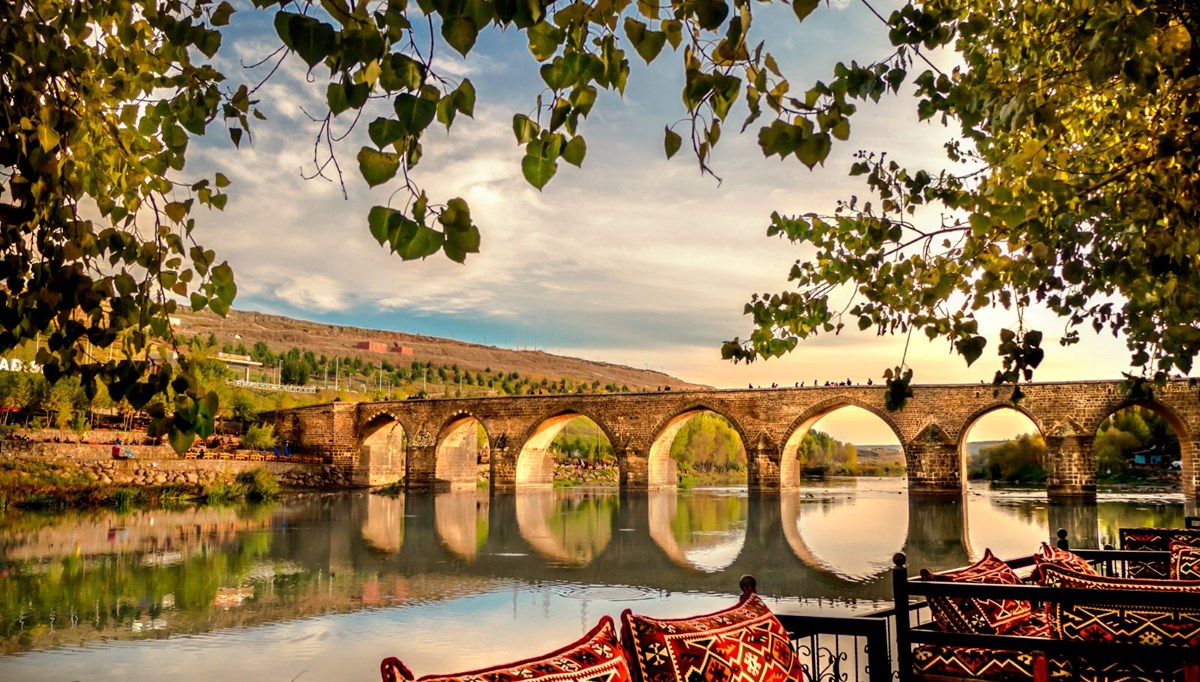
{"x":220,"y":15}
{"x":460,"y":33}
{"x":222,"y":181}
{"x":461,"y":234}
{"x":401,"y":73}
{"x":385,"y":131}
{"x":378,"y":222}
{"x":710,"y":14}
{"x":970,"y":348}
{"x":574,"y":152}
{"x":464,"y":98}
{"x":377,"y":167}
{"x":524,"y":128}
{"x":803,"y":8}
{"x":311,"y":39}
{"x":335,"y":96}
{"x":538,"y":170}
{"x":812,"y":149}
{"x":544,"y":40}
{"x":181,"y":439}
{"x":672,"y":142}
{"x":412,"y":241}
{"x":414,"y":113}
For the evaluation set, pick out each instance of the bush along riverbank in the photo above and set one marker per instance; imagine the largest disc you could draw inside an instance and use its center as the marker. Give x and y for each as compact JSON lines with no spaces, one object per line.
{"x":35,"y":485}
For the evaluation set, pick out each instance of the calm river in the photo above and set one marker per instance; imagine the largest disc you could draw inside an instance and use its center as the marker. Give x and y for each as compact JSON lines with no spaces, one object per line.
{"x":322,"y":587}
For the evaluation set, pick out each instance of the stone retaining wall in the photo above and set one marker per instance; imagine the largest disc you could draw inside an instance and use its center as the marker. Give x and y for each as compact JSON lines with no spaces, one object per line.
{"x":159,"y":465}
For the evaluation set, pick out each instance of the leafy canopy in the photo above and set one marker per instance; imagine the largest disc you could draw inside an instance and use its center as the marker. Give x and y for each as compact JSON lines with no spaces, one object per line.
{"x":1072,"y":186}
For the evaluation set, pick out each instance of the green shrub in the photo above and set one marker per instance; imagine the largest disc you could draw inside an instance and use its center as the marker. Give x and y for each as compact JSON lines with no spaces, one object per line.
{"x":259,"y":437}
{"x":391,"y":489}
{"x":259,"y":484}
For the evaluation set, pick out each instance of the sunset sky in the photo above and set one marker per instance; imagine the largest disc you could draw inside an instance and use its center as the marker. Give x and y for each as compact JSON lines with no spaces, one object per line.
{"x":632,"y":259}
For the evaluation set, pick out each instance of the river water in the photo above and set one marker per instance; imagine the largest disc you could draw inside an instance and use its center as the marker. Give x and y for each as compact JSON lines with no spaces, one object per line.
{"x":322,"y":587}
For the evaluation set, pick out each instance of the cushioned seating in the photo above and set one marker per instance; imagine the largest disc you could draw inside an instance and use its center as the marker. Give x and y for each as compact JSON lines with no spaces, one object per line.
{"x":596,"y":657}
{"x":1049,"y":555}
{"x":744,"y":643}
{"x":1155,"y":539}
{"x":1185,"y":562}
{"x":979,"y":616}
{"x":1098,"y":622}
{"x":939,"y":662}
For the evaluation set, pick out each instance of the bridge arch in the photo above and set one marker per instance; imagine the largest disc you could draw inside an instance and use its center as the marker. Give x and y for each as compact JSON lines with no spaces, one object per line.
{"x":383,"y":451}
{"x":992,"y":410}
{"x":789,"y":465}
{"x":1178,"y":425}
{"x":535,"y":461}
{"x":661,"y":470}
{"x":457,"y":451}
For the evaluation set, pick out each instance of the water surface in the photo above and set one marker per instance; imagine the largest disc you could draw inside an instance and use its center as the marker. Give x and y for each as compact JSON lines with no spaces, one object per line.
{"x":322,"y":587}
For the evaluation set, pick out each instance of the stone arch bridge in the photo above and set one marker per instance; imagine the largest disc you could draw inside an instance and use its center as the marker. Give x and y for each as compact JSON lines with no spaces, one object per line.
{"x":435,"y":443}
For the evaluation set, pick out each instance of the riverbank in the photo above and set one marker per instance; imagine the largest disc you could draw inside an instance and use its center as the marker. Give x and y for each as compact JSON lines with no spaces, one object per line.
{"x":56,"y":475}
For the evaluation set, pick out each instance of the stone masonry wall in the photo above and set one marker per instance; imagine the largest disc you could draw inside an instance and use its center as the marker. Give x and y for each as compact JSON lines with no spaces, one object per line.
{"x":931,"y":427}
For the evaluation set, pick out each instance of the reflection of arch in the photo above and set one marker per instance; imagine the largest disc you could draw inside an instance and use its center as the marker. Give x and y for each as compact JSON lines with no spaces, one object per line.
{"x":789,"y":466}
{"x":382,"y":452}
{"x":461,"y":522}
{"x":857,"y":556}
{"x":384,"y":526}
{"x":1187,"y":454}
{"x":661,"y":470}
{"x":709,"y":557}
{"x":535,"y":462}
{"x":552,"y":532}
{"x":457,"y":452}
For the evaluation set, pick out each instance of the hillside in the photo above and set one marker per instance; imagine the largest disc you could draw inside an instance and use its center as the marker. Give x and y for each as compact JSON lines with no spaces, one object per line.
{"x":283,"y":333}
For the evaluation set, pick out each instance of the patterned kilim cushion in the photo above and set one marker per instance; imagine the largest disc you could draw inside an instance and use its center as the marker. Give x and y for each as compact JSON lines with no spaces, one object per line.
{"x":745,"y":643}
{"x":1050,"y":554}
{"x":597,"y":657}
{"x":1155,"y":539}
{"x":979,"y":616}
{"x":1185,"y":562}
{"x":987,"y":664}
{"x":1097,"y":622}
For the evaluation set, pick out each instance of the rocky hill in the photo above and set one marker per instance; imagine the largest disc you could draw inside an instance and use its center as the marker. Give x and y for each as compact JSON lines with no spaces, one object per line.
{"x":282,"y":333}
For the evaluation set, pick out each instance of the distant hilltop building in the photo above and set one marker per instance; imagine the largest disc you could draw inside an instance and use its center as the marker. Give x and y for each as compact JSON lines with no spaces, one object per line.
{"x":402,"y":350}
{"x":372,"y":346}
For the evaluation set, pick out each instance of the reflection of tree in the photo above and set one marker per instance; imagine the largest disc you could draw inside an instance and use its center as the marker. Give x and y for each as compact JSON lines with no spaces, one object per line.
{"x":583,"y":526}
{"x":702,"y":520}
{"x":117,"y":588}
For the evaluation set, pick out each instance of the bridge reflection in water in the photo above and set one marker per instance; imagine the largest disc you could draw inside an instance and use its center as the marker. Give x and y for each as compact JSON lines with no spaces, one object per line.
{"x":698,"y":541}
{"x":100,"y":577}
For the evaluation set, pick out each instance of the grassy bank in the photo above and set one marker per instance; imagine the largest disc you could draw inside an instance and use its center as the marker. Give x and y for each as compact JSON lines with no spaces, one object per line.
{"x":33,"y":485}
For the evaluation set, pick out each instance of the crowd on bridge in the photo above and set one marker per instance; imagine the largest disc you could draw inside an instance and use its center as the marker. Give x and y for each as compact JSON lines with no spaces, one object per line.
{"x":815,"y":383}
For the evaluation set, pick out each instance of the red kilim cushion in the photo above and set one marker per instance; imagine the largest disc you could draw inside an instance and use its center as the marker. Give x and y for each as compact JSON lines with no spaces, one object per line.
{"x":597,"y":657}
{"x":979,"y":616}
{"x":1155,"y":539}
{"x":1185,"y":562}
{"x":745,"y":643}
{"x":1095,"y":621}
{"x":1051,"y":555}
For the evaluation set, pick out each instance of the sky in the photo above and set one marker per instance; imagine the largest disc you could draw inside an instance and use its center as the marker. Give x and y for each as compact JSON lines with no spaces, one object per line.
{"x":632,"y":259}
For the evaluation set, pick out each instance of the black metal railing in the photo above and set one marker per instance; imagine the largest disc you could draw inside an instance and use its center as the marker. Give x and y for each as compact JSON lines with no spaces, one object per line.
{"x":841,"y":649}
